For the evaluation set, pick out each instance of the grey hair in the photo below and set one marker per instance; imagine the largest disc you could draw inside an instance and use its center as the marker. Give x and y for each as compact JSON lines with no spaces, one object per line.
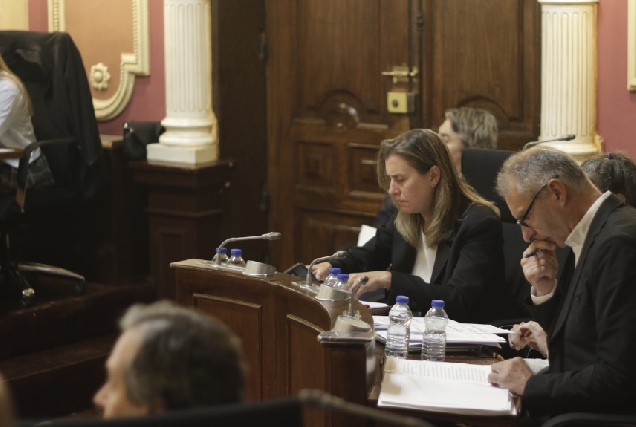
{"x":475,"y":127}
{"x":529,"y":170}
{"x":185,"y":359}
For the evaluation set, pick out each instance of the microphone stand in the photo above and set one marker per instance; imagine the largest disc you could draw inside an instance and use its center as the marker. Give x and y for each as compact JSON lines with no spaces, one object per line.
{"x":568,"y":137}
{"x":337,"y":255}
{"x":267,"y":236}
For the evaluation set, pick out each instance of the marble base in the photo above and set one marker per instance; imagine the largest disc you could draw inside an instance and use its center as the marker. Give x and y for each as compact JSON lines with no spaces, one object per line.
{"x":188,"y":155}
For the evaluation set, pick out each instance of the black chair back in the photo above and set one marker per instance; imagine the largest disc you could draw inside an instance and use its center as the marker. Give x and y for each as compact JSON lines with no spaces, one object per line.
{"x":51,"y":69}
{"x":480,"y":168}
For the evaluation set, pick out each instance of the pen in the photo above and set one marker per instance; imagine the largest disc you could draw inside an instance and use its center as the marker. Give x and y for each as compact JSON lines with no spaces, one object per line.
{"x":533,"y":253}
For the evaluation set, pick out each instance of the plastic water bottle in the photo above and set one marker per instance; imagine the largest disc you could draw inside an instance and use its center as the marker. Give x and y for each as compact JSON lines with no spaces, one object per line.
{"x":397,"y":336}
{"x":236,"y":259}
{"x":341,"y":283}
{"x":223,"y":255}
{"x":434,"y":340}
{"x":332,"y":277}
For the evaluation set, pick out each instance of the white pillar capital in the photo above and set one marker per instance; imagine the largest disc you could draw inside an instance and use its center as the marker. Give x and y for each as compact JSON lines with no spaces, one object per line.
{"x":190,"y":122}
{"x":568,"y":75}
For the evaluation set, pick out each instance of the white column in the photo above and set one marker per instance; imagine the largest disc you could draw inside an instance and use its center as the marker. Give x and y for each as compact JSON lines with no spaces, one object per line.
{"x":568,"y":75}
{"x":190,"y":122}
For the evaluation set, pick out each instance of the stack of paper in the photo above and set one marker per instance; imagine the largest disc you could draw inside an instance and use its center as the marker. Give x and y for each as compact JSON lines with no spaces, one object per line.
{"x":457,"y":334}
{"x":443,"y":387}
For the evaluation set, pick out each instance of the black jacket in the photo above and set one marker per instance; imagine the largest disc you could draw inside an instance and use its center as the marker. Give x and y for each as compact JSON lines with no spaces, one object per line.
{"x":468,"y":273}
{"x":591,"y":324}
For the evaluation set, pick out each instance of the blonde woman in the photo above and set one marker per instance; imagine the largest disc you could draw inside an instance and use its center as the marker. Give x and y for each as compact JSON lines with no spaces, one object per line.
{"x":16,"y":131}
{"x":445,"y":243}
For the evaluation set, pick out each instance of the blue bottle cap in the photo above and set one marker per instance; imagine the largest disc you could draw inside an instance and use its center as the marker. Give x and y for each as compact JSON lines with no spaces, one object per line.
{"x":334,"y":271}
{"x":223,"y":250}
{"x":343,"y":277}
{"x":402,"y":298}
{"x":236,"y":252}
{"x":437,"y":303}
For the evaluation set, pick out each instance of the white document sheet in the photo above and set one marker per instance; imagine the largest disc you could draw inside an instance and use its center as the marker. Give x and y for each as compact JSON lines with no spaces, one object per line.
{"x":443,"y":387}
{"x":456,"y":333}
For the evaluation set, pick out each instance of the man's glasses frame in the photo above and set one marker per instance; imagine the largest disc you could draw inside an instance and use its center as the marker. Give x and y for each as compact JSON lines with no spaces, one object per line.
{"x":522,"y":221}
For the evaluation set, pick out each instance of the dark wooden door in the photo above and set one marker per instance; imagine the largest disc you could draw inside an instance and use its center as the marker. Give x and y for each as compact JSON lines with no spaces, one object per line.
{"x":326,"y":100}
{"x":484,"y":54}
{"x":327,"y":115}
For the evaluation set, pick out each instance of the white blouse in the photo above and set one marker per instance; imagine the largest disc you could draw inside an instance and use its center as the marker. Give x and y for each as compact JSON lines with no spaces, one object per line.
{"x":424,"y":261}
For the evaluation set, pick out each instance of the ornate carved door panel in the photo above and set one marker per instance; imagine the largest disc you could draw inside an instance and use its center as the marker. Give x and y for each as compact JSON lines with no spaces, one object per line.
{"x":327,"y":108}
{"x":327,"y":115}
{"x":484,"y":54}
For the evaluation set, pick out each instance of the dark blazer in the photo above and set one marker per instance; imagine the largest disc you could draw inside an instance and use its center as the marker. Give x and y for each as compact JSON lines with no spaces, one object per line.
{"x":591,"y":323}
{"x":468,"y":273}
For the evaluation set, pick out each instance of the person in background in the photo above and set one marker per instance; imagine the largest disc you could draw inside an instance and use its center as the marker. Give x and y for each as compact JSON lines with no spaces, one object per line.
{"x":16,"y":131}
{"x":588,"y":313}
{"x":446,"y":242}
{"x":6,"y":407}
{"x":463,"y":127}
{"x":467,"y":127}
{"x":170,"y":358}
{"x":615,"y":172}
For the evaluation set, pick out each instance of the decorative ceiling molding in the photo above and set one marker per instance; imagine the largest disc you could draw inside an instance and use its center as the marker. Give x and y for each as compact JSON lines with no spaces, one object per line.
{"x":132,"y":64}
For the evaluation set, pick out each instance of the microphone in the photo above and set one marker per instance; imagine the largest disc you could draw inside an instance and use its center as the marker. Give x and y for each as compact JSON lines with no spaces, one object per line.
{"x":568,"y":137}
{"x":325,"y":401}
{"x":337,"y":255}
{"x":273,"y":235}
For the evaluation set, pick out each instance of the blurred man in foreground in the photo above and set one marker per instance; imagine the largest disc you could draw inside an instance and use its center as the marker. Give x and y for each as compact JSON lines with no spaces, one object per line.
{"x":170,"y":358}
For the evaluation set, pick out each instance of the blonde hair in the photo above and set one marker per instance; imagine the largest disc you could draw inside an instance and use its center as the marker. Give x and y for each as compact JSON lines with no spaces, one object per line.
{"x":423,"y":149}
{"x":6,"y":406}
{"x":16,"y":79}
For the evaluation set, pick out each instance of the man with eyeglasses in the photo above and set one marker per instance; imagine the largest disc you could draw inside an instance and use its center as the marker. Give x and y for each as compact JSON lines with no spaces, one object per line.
{"x":589,"y":312}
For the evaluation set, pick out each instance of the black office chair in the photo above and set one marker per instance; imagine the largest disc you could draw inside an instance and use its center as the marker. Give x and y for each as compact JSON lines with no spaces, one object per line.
{"x":51,"y":69}
{"x":480,"y":168}
{"x":584,"y":419}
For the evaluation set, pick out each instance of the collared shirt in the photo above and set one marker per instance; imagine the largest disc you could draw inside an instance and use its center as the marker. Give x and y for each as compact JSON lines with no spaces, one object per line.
{"x":575,"y":240}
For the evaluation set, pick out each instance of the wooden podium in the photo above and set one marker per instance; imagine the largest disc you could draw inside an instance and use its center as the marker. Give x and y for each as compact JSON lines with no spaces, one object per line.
{"x":279,"y":322}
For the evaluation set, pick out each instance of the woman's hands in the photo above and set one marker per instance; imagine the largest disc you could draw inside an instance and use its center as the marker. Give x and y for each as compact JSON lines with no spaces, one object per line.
{"x":376,"y":280}
{"x":321,"y":271}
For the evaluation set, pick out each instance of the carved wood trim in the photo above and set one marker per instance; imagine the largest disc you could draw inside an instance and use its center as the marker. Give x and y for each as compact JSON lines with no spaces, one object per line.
{"x":132,"y":64}
{"x":228,"y":300}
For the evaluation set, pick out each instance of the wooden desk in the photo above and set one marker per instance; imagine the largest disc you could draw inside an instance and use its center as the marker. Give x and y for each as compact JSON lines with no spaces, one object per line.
{"x":279,"y":322}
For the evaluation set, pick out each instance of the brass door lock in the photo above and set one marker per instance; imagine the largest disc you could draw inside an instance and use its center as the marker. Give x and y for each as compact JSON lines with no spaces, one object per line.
{"x":400,"y":102}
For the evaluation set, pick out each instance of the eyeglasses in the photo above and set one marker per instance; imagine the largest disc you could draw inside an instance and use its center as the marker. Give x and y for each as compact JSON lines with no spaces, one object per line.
{"x":522,"y":221}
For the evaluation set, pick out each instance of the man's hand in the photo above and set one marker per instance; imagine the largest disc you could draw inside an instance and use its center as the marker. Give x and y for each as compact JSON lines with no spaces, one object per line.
{"x":540,"y":266}
{"x":511,"y":374}
{"x":321,"y":271}
{"x":529,"y":334}
{"x":377,"y":280}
